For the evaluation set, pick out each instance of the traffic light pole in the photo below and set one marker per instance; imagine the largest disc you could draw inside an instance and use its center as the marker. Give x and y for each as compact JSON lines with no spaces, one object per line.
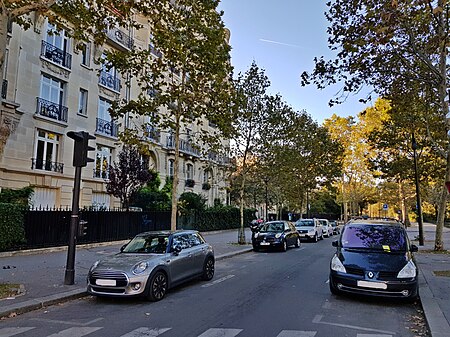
{"x":74,"y":221}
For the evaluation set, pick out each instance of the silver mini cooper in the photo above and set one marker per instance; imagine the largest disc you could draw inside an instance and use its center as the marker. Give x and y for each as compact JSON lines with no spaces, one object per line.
{"x":151,"y":263}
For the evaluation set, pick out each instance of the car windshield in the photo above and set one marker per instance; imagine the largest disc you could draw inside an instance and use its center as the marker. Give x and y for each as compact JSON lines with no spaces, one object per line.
{"x":273,"y":227}
{"x":156,"y":244}
{"x":300,"y":223}
{"x":380,"y":237}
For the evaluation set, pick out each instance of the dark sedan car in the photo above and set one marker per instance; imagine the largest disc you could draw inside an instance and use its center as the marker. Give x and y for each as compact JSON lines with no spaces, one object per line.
{"x":374,"y":258}
{"x":151,"y":263}
{"x":276,"y":234}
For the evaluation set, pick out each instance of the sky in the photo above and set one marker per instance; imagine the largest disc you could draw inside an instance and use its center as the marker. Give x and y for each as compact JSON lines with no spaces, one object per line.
{"x":283,"y":37}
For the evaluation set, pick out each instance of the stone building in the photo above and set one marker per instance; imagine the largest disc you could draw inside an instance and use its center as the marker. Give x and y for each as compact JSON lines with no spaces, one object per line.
{"x":51,"y":87}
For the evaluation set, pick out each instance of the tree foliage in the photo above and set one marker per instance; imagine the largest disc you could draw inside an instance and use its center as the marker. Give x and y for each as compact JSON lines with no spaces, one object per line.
{"x":127,"y":176}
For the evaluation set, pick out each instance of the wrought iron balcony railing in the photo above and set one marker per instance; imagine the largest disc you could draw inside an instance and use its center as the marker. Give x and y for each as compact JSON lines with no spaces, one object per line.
{"x":41,"y":164}
{"x":185,"y":146}
{"x":154,"y":51}
{"x":152,"y":133}
{"x":109,"y":81}
{"x":120,"y":37}
{"x":51,"y":110}
{"x":56,"y":55}
{"x":109,"y":128}
{"x":101,"y":174}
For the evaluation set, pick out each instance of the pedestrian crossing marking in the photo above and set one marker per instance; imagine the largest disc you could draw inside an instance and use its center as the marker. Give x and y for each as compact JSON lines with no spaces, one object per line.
{"x":296,"y":333}
{"x":8,"y":332}
{"x":217,"y":281}
{"x":75,"y":332}
{"x":146,"y":332}
{"x":221,"y":333}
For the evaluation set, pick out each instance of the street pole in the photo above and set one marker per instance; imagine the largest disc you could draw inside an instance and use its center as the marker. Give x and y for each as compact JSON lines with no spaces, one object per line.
{"x":74,"y":221}
{"x":418,"y":200}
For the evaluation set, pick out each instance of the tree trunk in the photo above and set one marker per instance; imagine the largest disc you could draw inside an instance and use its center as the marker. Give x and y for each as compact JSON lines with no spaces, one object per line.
{"x":176,"y":164}
{"x":241,"y":234}
{"x":404,"y":208}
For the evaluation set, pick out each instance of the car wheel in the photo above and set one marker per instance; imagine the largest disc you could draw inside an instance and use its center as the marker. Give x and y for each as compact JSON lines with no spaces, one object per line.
{"x":284,"y":246}
{"x":158,"y":287}
{"x":316,"y":238}
{"x":297,"y":243}
{"x":208,"y":269}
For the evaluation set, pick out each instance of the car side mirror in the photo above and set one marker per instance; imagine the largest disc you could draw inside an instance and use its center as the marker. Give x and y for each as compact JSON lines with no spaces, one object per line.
{"x":414,"y":248}
{"x":335,"y":243}
{"x":123,"y":247}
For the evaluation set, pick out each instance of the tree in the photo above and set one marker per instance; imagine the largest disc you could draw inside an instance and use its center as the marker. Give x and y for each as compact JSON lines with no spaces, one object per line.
{"x":381,"y":43}
{"x":184,"y":75}
{"x":127,"y":176}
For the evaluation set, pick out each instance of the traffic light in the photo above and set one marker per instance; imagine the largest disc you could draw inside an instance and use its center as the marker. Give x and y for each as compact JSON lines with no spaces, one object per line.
{"x":81,"y":148}
{"x":82,"y":228}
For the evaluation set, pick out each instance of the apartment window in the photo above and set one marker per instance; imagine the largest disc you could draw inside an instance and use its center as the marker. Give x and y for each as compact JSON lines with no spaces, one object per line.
{"x":58,"y":39}
{"x":171,"y":167}
{"x":102,"y":161}
{"x":52,"y":89}
{"x":86,"y":54}
{"x":43,"y":197}
{"x":189,"y":171}
{"x":100,"y":201}
{"x":46,"y":152}
{"x":82,"y":102}
{"x":55,"y":47}
{"x":103,"y":109}
{"x":108,"y":76}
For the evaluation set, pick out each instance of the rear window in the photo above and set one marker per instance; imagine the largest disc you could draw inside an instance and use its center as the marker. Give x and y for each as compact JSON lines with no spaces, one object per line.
{"x":273,"y":227}
{"x":380,"y":237}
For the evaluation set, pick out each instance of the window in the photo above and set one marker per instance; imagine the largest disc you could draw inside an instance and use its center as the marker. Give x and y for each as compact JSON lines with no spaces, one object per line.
{"x":108,"y":75}
{"x":381,"y":237}
{"x":100,"y":201}
{"x":58,"y":39}
{"x":171,"y":167}
{"x":103,"y":109}
{"x":86,"y":54}
{"x":82,"y":102}
{"x":102,"y":161}
{"x":43,"y":197}
{"x":52,"y":89}
{"x":189,"y":171}
{"x":55,"y":47}
{"x":46,"y":152}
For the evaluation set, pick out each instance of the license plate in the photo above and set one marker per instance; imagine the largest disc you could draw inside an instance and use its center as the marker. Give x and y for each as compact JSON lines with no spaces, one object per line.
{"x":265,"y":243}
{"x":102,"y":282}
{"x":373,"y":285}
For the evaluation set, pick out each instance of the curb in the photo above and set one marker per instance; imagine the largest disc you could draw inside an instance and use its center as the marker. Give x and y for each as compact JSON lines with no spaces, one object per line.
{"x":39,"y":303}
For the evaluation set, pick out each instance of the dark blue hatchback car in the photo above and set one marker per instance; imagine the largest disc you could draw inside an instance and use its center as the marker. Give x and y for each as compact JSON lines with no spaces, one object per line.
{"x":375,"y":258}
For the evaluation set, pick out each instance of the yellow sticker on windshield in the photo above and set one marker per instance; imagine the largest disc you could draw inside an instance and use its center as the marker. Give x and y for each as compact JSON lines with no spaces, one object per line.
{"x":386,"y":248}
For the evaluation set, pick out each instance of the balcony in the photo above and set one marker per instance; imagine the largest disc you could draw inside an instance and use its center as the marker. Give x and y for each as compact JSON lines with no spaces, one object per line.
{"x":152,"y":134}
{"x":109,"y":81}
{"x":121,"y":38}
{"x":56,"y":55}
{"x":108,"y":128}
{"x":219,"y":159}
{"x":154,"y":51}
{"x":185,"y":146}
{"x":101,"y":174}
{"x":51,"y":110}
{"x":41,"y":164}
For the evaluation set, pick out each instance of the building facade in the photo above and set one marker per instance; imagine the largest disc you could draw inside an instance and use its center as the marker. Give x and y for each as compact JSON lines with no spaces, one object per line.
{"x":53,"y":85}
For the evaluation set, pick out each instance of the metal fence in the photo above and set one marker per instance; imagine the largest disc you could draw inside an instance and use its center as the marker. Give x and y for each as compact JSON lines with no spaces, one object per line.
{"x":50,"y":228}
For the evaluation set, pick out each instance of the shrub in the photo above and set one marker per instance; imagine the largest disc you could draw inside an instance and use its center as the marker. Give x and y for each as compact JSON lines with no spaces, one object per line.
{"x":11,"y":225}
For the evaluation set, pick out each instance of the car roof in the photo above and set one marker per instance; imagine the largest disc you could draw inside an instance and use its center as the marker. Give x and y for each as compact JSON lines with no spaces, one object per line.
{"x":168,"y":232}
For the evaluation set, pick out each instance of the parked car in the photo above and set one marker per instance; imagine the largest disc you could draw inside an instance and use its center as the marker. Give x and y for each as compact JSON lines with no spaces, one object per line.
{"x":335,"y":226}
{"x":276,"y":234}
{"x":374,"y":258}
{"x":327,"y":228}
{"x":310,"y":229}
{"x":151,"y":263}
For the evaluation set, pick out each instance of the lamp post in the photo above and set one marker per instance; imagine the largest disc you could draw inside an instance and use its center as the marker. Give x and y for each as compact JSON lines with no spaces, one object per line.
{"x":418,"y":201}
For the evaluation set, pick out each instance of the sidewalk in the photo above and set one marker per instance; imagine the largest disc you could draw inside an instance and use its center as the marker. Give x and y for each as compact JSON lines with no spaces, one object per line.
{"x":41,"y":272}
{"x":434,"y":290}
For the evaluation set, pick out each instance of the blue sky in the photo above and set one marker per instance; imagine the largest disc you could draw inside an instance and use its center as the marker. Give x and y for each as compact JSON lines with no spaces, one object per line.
{"x":283,"y":37}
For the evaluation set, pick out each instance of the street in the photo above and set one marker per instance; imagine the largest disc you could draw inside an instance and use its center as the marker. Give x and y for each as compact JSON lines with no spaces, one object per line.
{"x":254,"y":294}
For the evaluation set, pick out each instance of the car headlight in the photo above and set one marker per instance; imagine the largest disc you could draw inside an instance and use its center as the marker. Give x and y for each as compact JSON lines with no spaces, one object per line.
{"x":139,"y":268}
{"x":408,"y":271}
{"x":94,"y":265}
{"x":278,"y":235}
{"x":337,"y":265}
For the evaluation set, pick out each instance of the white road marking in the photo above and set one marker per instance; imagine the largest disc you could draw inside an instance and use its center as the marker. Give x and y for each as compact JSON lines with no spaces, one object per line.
{"x":318,"y":320}
{"x":66,"y":322}
{"x":7,"y":332}
{"x":295,"y":333}
{"x":217,"y":281}
{"x":221,"y":333}
{"x":75,"y":332}
{"x":146,"y":332}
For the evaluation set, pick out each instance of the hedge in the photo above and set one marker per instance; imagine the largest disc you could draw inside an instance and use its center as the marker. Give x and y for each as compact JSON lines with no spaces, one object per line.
{"x":11,"y":225}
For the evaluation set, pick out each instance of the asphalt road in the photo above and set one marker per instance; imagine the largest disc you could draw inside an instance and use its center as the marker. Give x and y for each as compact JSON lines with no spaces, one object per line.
{"x":255,"y":294}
